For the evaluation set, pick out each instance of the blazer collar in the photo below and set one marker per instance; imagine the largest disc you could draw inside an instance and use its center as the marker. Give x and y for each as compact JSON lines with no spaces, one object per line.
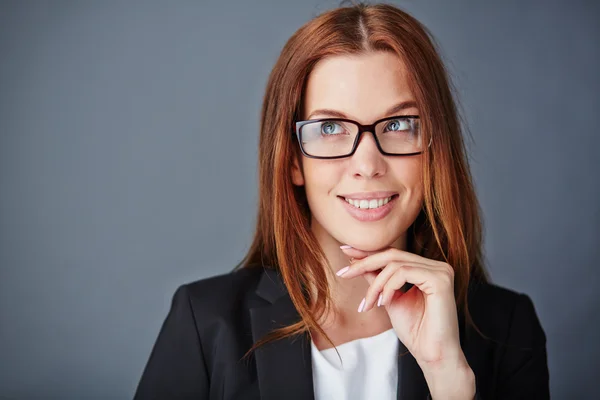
{"x":284,"y":367}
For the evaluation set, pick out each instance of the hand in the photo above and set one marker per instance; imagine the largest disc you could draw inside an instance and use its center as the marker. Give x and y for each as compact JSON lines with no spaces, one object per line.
{"x":423,"y":315}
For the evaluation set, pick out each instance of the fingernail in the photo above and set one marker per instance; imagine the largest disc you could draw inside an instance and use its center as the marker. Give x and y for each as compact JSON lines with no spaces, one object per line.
{"x":362,"y":305}
{"x":379,"y":300}
{"x":342,"y":271}
{"x":345,"y":247}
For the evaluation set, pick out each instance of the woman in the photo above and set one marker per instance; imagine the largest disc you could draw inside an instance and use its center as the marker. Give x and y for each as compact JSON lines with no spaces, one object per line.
{"x":365,"y":277}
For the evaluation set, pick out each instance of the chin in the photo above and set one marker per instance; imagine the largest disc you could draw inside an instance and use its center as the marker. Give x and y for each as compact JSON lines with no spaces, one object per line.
{"x":371,"y":243}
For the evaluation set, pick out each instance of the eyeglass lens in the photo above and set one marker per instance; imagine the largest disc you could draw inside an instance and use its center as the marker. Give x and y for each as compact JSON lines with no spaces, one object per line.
{"x":335,"y":138}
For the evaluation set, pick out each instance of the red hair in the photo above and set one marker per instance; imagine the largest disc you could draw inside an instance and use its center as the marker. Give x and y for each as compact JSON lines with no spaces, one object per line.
{"x":448,"y":227}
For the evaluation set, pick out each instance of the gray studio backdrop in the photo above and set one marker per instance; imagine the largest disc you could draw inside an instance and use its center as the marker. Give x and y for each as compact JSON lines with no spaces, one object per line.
{"x":128,"y":135}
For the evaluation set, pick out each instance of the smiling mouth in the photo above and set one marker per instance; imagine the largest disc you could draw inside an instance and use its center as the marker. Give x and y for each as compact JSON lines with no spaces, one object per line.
{"x":368,"y":204}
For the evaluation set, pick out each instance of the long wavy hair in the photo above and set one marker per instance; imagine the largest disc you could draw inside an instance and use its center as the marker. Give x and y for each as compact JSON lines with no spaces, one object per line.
{"x":448,"y":227}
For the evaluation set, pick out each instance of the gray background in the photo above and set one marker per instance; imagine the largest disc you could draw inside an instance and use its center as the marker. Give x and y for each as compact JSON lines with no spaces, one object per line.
{"x":128,"y":134}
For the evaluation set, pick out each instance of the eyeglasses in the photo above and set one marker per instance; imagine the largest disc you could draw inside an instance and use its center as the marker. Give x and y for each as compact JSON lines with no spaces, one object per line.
{"x":330,"y":138}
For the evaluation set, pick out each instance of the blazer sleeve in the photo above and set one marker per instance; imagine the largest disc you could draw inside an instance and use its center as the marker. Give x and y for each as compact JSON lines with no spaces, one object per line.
{"x":176,"y":367}
{"x":524,"y":366}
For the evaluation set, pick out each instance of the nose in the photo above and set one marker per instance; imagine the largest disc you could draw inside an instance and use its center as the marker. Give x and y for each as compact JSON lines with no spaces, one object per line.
{"x":367,"y":161}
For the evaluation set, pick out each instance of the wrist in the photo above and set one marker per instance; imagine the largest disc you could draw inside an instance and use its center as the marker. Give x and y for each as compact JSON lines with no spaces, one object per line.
{"x":450,"y":381}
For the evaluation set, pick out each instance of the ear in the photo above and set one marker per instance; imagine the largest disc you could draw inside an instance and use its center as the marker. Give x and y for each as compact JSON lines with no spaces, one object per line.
{"x":297,"y":174}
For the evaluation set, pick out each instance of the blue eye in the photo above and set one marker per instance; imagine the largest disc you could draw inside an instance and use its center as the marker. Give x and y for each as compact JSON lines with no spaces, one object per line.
{"x":398,"y":125}
{"x":329,"y":128}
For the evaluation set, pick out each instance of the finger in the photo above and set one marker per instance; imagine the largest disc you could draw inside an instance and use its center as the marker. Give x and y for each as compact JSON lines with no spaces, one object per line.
{"x":389,"y":295}
{"x":375,"y":293}
{"x":398,"y":254}
{"x":380,"y":260}
{"x":426,"y":280}
{"x":376,"y":285}
{"x":370,"y":276}
{"x":393,"y":254}
{"x":395,"y":287}
{"x":355,"y":253}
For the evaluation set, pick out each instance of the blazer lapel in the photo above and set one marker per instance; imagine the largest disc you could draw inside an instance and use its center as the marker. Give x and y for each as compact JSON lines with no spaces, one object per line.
{"x":284,"y":367}
{"x":411,"y":381}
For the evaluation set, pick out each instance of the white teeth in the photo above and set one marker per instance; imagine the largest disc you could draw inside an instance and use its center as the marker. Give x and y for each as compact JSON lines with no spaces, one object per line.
{"x":375,"y":203}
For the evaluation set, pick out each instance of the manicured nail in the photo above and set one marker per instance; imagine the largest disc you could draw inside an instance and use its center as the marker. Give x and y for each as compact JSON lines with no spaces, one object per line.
{"x":342,"y":271}
{"x":379,"y":300}
{"x":362,"y":305}
{"x":345,"y":247}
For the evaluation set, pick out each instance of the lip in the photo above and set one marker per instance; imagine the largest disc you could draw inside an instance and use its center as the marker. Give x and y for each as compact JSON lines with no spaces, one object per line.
{"x":368,"y":214}
{"x":368,"y":195}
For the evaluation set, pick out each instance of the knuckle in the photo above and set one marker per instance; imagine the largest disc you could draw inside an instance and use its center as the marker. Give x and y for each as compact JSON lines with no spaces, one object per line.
{"x":451,"y":273}
{"x":447,"y":268}
{"x":388,"y":291}
{"x":448,"y":275}
{"x":403,"y":267}
{"x":386,"y":288}
{"x":378,"y":284}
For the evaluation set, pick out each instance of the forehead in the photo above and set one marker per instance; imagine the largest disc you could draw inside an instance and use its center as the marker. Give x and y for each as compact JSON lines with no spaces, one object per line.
{"x":361,"y":86}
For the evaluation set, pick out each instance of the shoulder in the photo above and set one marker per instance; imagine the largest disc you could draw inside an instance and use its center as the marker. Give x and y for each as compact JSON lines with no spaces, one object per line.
{"x":505,"y":314}
{"x":508,"y":354}
{"x":227,"y":288}
{"x":237,"y":282}
{"x":203,"y":314}
{"x":221,"y":298}
{"x":485,"y":297}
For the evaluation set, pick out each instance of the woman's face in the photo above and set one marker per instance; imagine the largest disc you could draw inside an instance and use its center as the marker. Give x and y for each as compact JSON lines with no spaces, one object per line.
{"x":363,"y":88}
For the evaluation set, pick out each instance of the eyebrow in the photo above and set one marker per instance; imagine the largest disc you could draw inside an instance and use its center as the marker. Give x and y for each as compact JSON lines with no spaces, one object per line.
{"x":338,"y":114}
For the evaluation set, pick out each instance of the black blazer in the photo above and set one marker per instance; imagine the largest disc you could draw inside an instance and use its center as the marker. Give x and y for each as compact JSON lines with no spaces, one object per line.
{"x":213,"y":322}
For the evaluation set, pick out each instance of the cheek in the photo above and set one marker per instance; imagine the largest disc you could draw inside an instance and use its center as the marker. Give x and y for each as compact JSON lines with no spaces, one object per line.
{"x":321,"y":176}
{"x":409,"y":174}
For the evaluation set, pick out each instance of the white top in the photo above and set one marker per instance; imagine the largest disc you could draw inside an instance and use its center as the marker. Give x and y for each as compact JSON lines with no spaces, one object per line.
{"x":369,"y":369}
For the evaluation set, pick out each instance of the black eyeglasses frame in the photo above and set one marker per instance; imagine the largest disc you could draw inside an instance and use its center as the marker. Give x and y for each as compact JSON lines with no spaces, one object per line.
{"x":361,"y":129}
